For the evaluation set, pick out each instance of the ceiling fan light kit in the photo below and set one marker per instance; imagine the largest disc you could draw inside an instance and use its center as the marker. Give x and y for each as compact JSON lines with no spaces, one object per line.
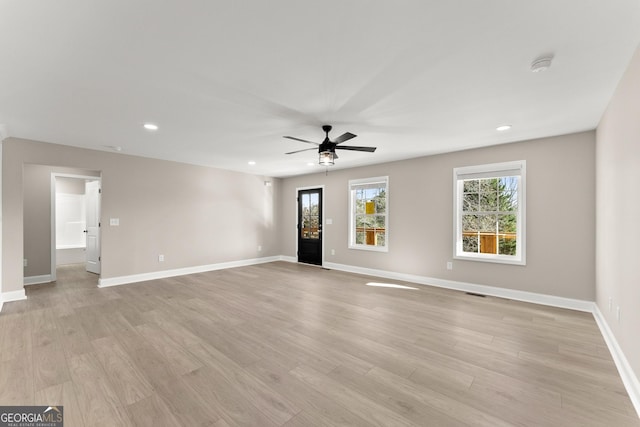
{"x":327,"y":150}
{"x":326,"y":158}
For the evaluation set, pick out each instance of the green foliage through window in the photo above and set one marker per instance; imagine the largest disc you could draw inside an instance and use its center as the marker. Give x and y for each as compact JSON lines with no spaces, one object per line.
{"x":489,"y":215}
{"x":369,"y":214}
{"x":310,"y":216}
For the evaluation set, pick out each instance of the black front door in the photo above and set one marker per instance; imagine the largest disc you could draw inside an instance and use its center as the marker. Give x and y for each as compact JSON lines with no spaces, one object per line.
{"x":310,"y":226}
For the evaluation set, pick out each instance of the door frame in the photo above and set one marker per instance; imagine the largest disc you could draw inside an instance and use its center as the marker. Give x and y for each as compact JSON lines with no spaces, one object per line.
{"x":55,"y":175}
{"x":310,"y":187}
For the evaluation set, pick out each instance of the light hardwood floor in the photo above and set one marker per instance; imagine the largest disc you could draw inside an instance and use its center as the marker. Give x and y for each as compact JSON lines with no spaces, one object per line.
{"x":284,"y":344}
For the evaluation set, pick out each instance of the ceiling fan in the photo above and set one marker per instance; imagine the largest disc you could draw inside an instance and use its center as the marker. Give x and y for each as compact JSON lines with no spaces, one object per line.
{"x":327,"y":150}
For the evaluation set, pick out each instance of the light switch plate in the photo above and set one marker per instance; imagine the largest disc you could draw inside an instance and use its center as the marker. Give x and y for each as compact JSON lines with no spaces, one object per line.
{"x":114,"y":222}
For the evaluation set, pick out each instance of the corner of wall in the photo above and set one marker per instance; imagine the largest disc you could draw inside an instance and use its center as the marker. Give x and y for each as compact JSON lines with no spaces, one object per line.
{"x":629,"y":377}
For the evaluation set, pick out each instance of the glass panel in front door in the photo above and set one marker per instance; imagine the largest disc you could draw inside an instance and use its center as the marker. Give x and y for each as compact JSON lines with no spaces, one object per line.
{"x":305,"y":228}
{"x":314,"y":216}
{"x":310,"y":216}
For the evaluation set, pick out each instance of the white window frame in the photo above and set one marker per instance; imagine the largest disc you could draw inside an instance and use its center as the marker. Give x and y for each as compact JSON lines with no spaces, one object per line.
{"x":353,"y":183}
{"x":494,"y":170}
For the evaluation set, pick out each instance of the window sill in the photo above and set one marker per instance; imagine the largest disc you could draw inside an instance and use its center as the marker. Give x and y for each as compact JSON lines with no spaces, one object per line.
{"x":369,"y":248}
{"x":492,"y":259}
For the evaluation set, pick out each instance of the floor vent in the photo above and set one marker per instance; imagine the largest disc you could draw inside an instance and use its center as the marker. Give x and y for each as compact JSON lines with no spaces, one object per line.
{"x":475,"y":295}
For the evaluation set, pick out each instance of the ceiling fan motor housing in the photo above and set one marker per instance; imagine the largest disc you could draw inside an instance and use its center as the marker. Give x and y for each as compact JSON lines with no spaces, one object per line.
{"x":329,"y":147}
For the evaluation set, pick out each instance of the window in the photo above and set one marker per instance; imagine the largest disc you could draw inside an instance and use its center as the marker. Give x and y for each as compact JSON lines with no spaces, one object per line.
{"x":368,"y":207}
{"x":489,"y":206}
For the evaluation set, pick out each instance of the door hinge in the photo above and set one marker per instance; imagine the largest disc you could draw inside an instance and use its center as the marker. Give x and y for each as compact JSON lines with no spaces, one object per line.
{"x":98,"y":224}
{"x":99,"y":190}
{"x":99,"y":258}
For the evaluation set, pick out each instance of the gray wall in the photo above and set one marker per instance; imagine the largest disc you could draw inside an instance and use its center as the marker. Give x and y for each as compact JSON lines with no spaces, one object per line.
{"x":70,"y":185}
{"x":560,"y":217}
{"x":37,"y":221}
{"x":618,"y":207}
{"x":193,"y":215}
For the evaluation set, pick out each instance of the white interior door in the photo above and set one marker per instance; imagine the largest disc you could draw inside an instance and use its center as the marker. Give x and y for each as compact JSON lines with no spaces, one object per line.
{"x":92,"y":197}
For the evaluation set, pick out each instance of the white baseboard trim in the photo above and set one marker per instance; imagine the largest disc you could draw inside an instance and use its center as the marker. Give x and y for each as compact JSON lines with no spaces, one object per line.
{"x":12,"y":296}
{"x":37,"y":280}
{"x":629,"y":378}
{"x":288,"y":258}
{"x":550,"y":300}
{"x":134,"y":278}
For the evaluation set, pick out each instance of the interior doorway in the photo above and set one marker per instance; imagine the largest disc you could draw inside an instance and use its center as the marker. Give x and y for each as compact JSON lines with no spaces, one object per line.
{"x":75,"y":222}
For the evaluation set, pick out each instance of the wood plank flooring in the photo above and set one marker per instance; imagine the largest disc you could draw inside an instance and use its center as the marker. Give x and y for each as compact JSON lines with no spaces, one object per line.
{"x":284,"y":344}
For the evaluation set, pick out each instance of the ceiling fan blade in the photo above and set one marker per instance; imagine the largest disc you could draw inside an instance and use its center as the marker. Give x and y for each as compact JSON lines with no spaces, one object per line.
{"x":352,"y":148}
{"x":301,"y":140}
{"x":344,"y":137}
{"x":299,"y":151}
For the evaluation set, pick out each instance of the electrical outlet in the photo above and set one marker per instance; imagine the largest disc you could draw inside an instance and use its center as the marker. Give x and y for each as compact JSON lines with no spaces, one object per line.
{"x":618,"y":313}
{"x":160,"y":258}
{"x":25,"y":262}
{"x":259,"y":248}
{"x":610,"y":303}
{"x":449,"y":265}
{"x":333,"y":251}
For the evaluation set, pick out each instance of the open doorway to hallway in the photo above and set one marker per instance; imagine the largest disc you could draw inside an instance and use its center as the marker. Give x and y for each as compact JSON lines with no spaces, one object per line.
{"x":61,"y":221}
{"x":75,"y":230}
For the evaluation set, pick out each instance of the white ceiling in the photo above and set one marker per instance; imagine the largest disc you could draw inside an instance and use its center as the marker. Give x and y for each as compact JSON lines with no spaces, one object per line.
{"x":225,"y":80}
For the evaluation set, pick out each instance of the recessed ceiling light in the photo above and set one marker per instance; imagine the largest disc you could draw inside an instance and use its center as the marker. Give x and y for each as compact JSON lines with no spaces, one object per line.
{"x":310,"y":164}
{"x":503,"y":128}
{"x":251,"y":162}
{"x":150,"y":126}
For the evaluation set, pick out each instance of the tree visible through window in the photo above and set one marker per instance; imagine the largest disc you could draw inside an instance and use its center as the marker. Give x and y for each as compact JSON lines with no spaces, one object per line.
{"x":489,"y":220}
{"x":369,"y":228}
{"x":310,"y":216}
{"x":490,"y":212}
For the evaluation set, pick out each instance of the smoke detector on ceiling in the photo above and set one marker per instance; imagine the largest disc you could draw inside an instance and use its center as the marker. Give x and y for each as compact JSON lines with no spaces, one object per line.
{"x":541,"y":63}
